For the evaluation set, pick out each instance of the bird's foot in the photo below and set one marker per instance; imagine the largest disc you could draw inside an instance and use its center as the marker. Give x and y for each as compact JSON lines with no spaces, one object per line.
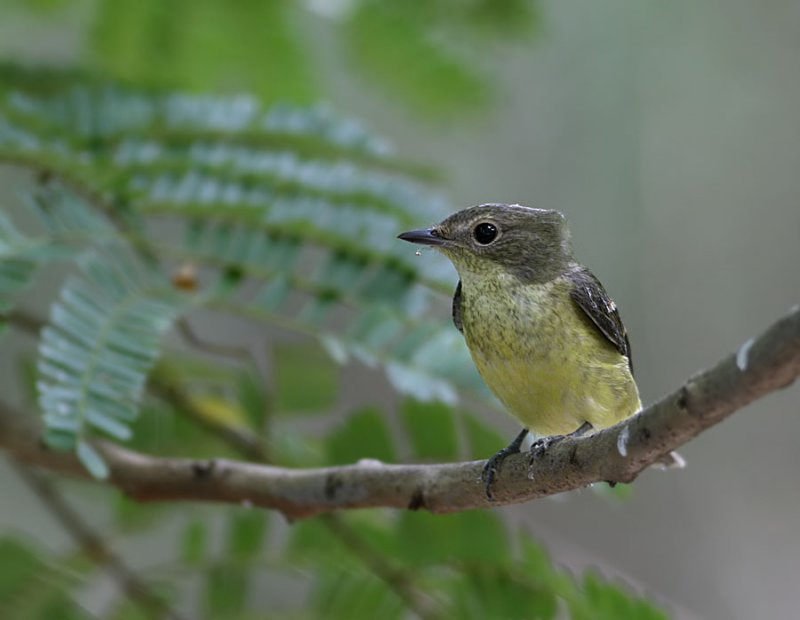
{"x":542,"y":445}
{"x":493,"y":464}
{"x":492,"y":467}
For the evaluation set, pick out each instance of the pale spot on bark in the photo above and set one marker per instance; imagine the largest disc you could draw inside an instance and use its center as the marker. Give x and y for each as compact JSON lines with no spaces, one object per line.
{"x":743,"y":355}
{"x":622,"y":441}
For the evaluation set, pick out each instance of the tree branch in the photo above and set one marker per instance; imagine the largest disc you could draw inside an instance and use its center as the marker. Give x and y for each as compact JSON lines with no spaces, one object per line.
{"x":762,"y":365}
{"x":197,"y":342}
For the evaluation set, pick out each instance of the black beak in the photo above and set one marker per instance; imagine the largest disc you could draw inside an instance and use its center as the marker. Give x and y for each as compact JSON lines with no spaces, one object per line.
{"x":423,"y":236}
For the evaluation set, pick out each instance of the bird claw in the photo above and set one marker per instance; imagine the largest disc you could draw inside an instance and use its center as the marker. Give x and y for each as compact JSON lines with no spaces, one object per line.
{"x":491,"y":469}
{"x":542,"y":445}
{"x":493,"y":464}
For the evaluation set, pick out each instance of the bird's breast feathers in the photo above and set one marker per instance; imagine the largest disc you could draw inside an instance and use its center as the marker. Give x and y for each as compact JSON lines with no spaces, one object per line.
{"x":544,"y":359}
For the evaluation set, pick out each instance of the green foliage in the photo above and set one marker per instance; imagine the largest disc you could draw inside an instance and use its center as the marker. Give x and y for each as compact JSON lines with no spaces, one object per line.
{"x":302,"y":204}
{"x":16,"y":264}
{"x":247,"y":529}
{"x":225,"y":591}
{"x":432,"y":429}
{"x":466,"y":562}
{"x":194,"y":542}
{"x":128,"y":610}
{"x":364,"y":435}
{"x":254,"y":400}
{"x":204,"y":44}
{"x":493,"y":594}
{"x":410,"y":50}
{"x":392,"y":41}
{"x":166,"y":430}
{"x":19,"y":565}
{"x":61,"y":606}
{"x":103,"y":339}
{"x":40,"y":5}
{"x":461,"y":566}
{"x":483,"y":441}
{"x":342,"y":595}
{"x":64,"y":225}
{"x":311,"y":542}
{"x":413,"y":48}
{"x":607,"y":601}
{"x":451,"y":538}
{"x":305,"y":379}
{"x":34,"y":586}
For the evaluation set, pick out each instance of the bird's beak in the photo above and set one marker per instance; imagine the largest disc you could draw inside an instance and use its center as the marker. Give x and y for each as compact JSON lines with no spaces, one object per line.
{"x":423,"y":236}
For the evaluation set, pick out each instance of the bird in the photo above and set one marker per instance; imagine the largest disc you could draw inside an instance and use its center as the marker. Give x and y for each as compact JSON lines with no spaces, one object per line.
{"x":543,"y":333}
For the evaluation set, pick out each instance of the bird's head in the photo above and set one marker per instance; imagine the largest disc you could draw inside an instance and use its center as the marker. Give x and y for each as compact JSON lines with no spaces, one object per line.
{"x":530,"y":244}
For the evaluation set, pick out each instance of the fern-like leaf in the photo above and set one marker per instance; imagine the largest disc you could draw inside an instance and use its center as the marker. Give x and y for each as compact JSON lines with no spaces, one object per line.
{"x":66,"y":226}
{"x":305,"y":203}
{"x":94,"y":357}
{"x":16,"y":263}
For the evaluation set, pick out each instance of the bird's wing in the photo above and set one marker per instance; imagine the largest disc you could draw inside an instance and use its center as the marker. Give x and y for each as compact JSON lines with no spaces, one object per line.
{"x":591,"y":297}
{"x":457,"y":309}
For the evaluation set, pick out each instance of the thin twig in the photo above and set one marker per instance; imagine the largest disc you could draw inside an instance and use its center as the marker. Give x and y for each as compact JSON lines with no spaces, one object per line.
{"x":25,"y":321}
{"x":165,"y":387}
{"x":762,"y":365}
{"x":94,"y":546}
{"x":191,"y":338}
{"x":398,"y":581}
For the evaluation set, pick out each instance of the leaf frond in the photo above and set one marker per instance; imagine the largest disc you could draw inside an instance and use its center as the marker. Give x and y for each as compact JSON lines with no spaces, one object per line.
{"x":103,"y":338}
{"x":302,"y":207}
{"x":66,"y":227}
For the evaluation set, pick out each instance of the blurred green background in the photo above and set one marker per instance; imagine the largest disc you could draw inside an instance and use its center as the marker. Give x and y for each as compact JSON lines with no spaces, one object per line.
{"x":668,"y":135}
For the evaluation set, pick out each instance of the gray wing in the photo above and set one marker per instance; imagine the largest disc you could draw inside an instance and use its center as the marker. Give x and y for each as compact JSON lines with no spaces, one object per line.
{"x":591,"y":297}
{"x":457,"y":308}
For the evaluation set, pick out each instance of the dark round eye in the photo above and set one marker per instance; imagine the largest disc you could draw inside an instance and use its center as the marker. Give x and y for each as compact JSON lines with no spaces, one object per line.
{"x":485,"y":233}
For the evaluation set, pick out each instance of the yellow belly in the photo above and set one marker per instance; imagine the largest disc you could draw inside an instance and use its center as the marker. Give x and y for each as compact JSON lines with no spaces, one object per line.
{"x":550,"y":366}
{"x":557,"y":396}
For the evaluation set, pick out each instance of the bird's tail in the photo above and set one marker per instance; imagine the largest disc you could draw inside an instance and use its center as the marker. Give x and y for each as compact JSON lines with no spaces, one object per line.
{"x":672,"y":460}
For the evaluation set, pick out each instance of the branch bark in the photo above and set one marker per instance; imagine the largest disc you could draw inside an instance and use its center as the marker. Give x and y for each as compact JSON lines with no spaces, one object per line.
{"x":761,"y":365}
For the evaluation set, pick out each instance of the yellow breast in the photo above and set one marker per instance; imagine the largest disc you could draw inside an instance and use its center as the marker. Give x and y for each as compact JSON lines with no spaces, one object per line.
{"x":545,"y":360}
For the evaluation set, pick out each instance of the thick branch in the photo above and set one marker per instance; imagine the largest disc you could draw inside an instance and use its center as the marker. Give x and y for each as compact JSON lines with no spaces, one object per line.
{"x":762,"y":365}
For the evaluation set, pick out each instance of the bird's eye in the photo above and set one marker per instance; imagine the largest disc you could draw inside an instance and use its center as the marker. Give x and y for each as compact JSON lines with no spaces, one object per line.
{"x":485,"y":233}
